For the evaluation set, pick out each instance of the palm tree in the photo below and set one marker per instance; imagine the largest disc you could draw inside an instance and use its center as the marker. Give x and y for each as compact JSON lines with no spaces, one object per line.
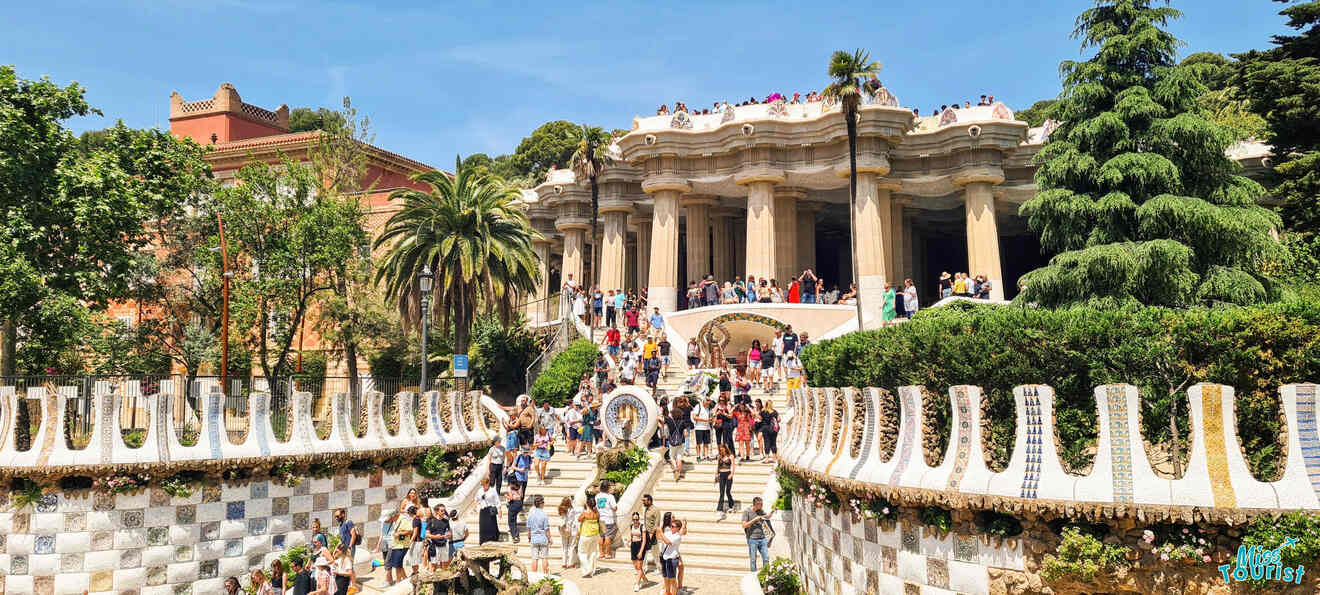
{"x":589,"y":159}
{"x":469,"y":230}
{"x":849,"y":72}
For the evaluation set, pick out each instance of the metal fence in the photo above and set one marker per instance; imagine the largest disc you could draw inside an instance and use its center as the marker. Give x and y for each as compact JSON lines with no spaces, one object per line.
{"x":187,"y":394}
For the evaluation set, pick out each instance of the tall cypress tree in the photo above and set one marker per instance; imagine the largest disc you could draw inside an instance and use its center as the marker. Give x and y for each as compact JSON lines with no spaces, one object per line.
{"x":1136,"y":196}
{"x":1283,"y":85}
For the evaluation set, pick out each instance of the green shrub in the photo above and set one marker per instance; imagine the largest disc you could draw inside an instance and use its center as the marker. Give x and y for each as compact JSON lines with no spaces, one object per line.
{"x":1270,"y":532}
{"x":781,"y":576}
{"x":1161,"y":351}
{"x":559,"y":381}
{"x":939,"y":518}
{"x":622,"y":469}
{"x":789,"y":484}
{"x":999,"y":524}
{"x":1082,"y":557}
{"x":546,"y":586}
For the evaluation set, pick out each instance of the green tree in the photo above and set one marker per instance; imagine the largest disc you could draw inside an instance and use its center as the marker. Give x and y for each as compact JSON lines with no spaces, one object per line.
{"x":552,"y":143}
{"x":305,"y":119}
{"x":475,"y":240}
{"x":1222,"y":100}
{"x":287,"y":239}
{"x":1283,"y":85}
{"x":112,"y":195}
{"x":848,"y":72}
{"x":1137,"y":198}
{"x":589,"y":159}
{"x":1037,"y":113}
{"x":501,"y":354}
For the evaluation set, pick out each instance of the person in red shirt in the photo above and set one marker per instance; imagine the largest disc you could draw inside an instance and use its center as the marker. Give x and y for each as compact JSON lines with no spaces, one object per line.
{"x":612,"y":340}
{"x":633,"y":325}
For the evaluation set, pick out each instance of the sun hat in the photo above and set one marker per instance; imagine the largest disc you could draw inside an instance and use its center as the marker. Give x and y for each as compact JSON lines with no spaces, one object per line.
{"x":321,"y":561}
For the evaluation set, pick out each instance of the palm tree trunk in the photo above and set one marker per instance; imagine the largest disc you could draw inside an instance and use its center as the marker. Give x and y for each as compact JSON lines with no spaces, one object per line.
{"x":850,"y":114}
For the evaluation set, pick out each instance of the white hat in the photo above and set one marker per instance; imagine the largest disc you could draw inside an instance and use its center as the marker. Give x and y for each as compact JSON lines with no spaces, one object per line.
{"x":321,"y":561}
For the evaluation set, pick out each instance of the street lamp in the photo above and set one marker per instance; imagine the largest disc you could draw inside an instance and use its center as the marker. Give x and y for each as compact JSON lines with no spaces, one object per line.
{"x":227,"y":275}
{"x":424,"y":285}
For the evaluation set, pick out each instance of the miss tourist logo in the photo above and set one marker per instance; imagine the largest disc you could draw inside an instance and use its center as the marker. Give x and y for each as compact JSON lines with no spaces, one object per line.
{"x":1258,"y":563}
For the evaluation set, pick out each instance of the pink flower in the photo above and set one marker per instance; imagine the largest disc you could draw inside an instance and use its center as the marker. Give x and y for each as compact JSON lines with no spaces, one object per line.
{"x":1205,"y":559}
{"x":885,"y":511}
{"x":1148,"y":536}
{"x":1164,"y":557}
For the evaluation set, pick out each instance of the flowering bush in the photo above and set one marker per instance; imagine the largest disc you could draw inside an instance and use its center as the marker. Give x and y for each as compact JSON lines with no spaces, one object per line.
{"x":1082,"y":557}
{"x":121,"y":484}
{"x":876,"y":508}
{"x":448,"y":469}
{"x":818,"y":494}
{"x":939,"y":518}
{"x":176,"y":486}
{"x":780,"y":576}
{"x":1178,"y":543}
{"x":789,"y":484}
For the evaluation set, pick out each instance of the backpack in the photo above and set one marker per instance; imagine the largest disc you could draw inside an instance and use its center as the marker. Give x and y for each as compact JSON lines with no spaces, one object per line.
{"x":663,"y":431}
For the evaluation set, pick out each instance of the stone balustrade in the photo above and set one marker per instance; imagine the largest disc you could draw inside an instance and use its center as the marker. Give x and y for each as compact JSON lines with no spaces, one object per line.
{"x":451,"y":419}
{"x":842,"y":435}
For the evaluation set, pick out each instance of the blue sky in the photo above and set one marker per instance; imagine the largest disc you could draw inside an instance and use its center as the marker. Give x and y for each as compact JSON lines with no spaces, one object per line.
{"x":439,"y":78}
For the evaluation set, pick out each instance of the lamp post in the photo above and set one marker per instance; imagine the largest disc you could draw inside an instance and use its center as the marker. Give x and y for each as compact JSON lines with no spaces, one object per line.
{"x":424,"y":285}
{"x":224,"y":308}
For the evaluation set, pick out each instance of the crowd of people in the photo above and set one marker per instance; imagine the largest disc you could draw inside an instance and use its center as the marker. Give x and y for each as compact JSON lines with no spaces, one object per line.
{"x":871,"y":85}
{"x":806,"y":288}
{"x":964,"y":285}
{"x":985,"y":100}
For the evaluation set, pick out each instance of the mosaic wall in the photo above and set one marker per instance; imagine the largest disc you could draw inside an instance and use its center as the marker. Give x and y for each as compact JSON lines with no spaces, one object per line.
{"x":152,"y":543}
{"x":839,"y":553}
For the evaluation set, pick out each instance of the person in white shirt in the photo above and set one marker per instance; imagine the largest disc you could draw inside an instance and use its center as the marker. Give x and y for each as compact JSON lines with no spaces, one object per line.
{"x":573,"y":426}
{"x":670,"y":538}
{"x":701,"y":426}
{"x":628,"y":369}
{"x":910,"y":302}
{"x":778,"y":347}
{"x":606,"y":505}
{"x":488,"y":502}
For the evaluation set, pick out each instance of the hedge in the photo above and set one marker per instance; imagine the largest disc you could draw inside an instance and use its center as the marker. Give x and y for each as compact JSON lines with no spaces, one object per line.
{"x":559,"y":381}
{"x":1162,"y":351}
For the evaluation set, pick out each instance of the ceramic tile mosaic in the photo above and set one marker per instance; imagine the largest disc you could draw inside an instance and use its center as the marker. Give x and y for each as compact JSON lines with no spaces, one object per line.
{"x":964,"y":432}
{"x":911,"y":538}
{"x":908,"y":417}
{"x":211,"y":493}
{"x":279,"y":506}
{"x":1308,"y":437}
{"x":1121,"y":445}
{"x":257,"y":526}
{"x":208,"y":569}
{"x":186,"y":514}
{"x":235,"y":511}
{"x":260,"y":489}
{"x":937,"y":573}
{"x":131,"y":519}
{"x":102,"y":502}
{"x":158,"y":536}
{"x":359,"y":497}
{"x":44,"y":544}
{"x":75,"y":521}
{"x":71,"y":563}
{"x":1034,"y":435}
{"x":48,"y":503}
{"x":966,"y":548}
{"x":1216,"y":458}
{"x":159,"y":497}
{"x":211,"y":531}
{"x":130,"y":558}
{"x":18,"y":564}
{"x":888,"y":560}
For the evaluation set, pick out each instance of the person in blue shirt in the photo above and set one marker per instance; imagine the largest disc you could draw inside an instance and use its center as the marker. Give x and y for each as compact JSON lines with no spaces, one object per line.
{"x":657,"y":321}
{"x":538,"y":530}
{"x":620,"y":303}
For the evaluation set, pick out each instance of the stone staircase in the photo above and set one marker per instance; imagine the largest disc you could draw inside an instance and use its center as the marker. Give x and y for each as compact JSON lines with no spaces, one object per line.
{"x":565,"y":475}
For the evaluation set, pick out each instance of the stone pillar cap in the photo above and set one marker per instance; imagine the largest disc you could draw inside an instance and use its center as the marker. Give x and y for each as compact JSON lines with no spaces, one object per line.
{"x":658,"y":183}
{"x":698,"y":200}
{"x":615,"y":206}
{"x":790,"y":192}
{"x":759,"y":174}
{"x":972,"y":175}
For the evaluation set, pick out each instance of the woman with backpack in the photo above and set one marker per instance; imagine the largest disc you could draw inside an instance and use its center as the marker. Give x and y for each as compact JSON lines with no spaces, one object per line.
{"x":770,"y":432}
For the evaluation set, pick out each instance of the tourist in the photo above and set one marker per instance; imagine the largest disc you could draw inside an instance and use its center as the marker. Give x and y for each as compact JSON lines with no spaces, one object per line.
{"x":277,"y":576}
{"x":318,"y":533}
{"x":946,"y":285}
{"x":399,"y":537}
{"x":675,"y":423}
{"x":522,"y":466}
{"x":438,"y":532}
{"x":568,"y":533}
{"x":628,"y":368}
{"x":777,"y":345}
{"x":637,"y":549}
{"x":849,"y":298}
{"x":526,"y":423}
{"x":458,"y":533}
{"x":769,"y":432}
{"x":303,"y":583}
{"x":588,"y":432}
{"x":572,"y":427}
{"x":769,"y":357}
{"x":727,"y":294}
{"x":233,"y":588}
{"x":542,"y":453}
{"x":417,"y":539}
{"x":488,"y":507}
{"x":754,"y":360}
{"x":742,"y":415}
{"x":983,"y":289}
{"x":612,"y":339}
{"x":724,"y":424}
{"x":514,"y":507}
{"x":777,"y":295}
{"x":342,"y":570}
{"x":807,"y":286}
{"x":619,"y":302}
{"x":580,"y":307}
{"x":324,"y":578}
{"x":803,"y":341}
{"x":763,"y":293}
{"x":656,"y":321}
{"x":743,"y":389}
{"x":664,"y":346}
{"x":588,"y":534}
{"x":670,"y":539}
{"x":261,"y":586}
{"x":755,"y":524}
{"x":910,"y":302}
{"x":538,"y":535}
{"x":651,"y":521}
{"x":633,"y":318}
{"x":701,"y":427}
{"x":887,"y":312}
{"x":663,"y":110}
{"x":495,"y":460}
{"x":959,"y":285}
{"x":609,"y":308}
{"x":606,"y":505}
{"x":724,"y":467}
{"x":793,"y":368}
{"x":651,"y":368}
{"x":691,"y":297}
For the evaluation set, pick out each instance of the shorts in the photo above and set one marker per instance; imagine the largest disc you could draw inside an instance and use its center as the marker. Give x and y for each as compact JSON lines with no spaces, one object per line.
{"x":540,"y":551}
{"x":676,"y":453}
{"x":632,"y":328}
{"x":637,"y":551}
{"x":439,"y":552}
{"x":511,"y":441}
{"x":596,"y":310}
{"x":542,"y":454}
{"x":610,"y":530}
{"x":395,"y":559}
{"x":669,"y":567}
{"x":524,"y":435}
{"x":794,"y":383}
{"x":454,"y":546}
{"x":693,"y":362}
{"x":573,"y":434}
{"x":664,"y":360}
{"x":703,"y":437}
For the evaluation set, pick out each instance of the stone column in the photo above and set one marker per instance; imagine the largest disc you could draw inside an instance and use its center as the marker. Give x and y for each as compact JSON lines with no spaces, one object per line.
{"x":739,"y":250}
{"x":613,"y":250}
{"x":983,"y":231}
{"x":574,"y":243}
{"x":871,"y":232}
{"x":630,"y":265}
{"x":721,"y":245}
{"x":806,"y":235}
{"x":697,"y":210}
{"x":761,"y":241}
{"x":662,"y":280}
{"x":786,"y":255}
{"x":643,"y":224}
